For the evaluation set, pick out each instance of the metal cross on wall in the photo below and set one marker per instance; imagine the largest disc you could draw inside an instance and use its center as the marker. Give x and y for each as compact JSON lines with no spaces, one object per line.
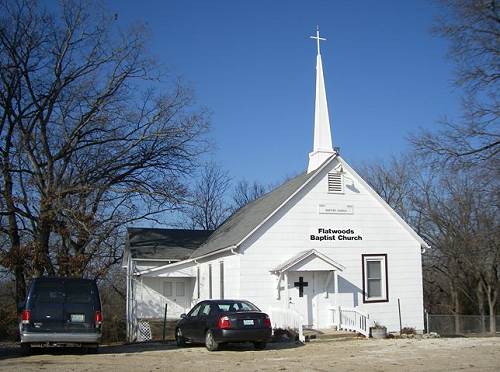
{"x":301,"y":284}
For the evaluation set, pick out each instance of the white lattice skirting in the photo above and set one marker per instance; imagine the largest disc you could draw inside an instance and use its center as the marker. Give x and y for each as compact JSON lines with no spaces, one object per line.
{"x":144,"y":331}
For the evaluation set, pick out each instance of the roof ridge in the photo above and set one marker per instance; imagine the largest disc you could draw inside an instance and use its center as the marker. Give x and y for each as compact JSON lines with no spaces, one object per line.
{"x":243,"y":222}
{"x":164,"y":229}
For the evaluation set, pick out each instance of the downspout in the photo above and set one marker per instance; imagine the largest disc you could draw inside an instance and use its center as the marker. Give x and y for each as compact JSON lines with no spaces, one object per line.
{"x":127,"y":308}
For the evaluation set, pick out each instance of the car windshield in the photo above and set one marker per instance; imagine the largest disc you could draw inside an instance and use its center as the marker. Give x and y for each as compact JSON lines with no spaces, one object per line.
{"x":233,"y":306}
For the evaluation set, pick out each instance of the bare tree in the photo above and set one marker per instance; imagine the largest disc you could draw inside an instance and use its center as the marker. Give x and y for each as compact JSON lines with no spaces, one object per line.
{"x":473,"y":29}
{"x":92,"y":137}
{"x":246,"y":192}
{"x":396,"y":182}
{"x":456,"y":211}
{"x":460,"y":205}
{"x":461,"y":212}
{"x":208,"y":207}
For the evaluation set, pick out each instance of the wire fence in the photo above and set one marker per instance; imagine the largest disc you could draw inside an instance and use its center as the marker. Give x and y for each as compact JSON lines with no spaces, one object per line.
{"x":458,"y":325}
{"x":157,"y":332}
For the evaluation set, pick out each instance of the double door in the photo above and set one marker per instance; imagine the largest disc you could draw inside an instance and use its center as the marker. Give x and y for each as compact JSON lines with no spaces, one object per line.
{"x":176,"y":290}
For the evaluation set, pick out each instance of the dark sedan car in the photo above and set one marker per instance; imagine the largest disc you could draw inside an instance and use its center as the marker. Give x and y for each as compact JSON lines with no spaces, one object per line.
{"x":216,"y":322}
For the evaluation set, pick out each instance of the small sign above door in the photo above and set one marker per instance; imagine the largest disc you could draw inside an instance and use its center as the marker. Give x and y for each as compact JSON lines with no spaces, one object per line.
{"x":336,"y":209}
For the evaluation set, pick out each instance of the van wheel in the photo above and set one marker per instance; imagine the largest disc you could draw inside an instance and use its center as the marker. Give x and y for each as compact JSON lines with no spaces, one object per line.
{"x":259,"y":345}
{"x":210,"y":342}
{"x":179,"y":338}
{"x":25,"y":349}
{"x":93,"y":349}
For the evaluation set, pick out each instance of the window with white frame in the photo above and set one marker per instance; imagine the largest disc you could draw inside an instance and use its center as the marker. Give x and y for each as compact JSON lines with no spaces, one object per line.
{"x":375,"y":284}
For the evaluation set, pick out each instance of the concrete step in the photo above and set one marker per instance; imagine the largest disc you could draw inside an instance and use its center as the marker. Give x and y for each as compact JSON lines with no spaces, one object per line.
{"x":329,"y":335}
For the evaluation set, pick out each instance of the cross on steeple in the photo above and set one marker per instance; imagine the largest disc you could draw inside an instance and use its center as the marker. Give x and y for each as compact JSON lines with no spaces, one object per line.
{"x":301,"y":284}
{"x":322,"y":148}
{"x":317,"y":37}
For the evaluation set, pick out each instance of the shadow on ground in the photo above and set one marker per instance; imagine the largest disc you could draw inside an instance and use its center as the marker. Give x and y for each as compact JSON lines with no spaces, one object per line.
{"x":14,"y":351}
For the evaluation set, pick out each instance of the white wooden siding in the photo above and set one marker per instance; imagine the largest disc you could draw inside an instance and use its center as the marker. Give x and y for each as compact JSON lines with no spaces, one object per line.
{"x":150,"y":301}
{"x":287,"y":234}
{"x":231,"y":277}
{"x":247,"y":275}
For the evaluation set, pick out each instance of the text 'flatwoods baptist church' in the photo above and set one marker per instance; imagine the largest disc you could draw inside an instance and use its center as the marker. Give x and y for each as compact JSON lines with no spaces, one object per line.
{"x":331,"y":234}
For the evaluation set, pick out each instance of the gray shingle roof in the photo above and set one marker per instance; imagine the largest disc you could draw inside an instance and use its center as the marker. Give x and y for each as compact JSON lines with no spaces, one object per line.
{"x":245,"y":220}
{"x":167,"y":244}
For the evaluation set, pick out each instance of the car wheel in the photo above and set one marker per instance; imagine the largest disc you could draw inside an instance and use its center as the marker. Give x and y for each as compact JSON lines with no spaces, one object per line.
{"x":25,"y":349}
{"x":259,"y":345}
{"x":210,"y":342}
{"x":179,"y":338}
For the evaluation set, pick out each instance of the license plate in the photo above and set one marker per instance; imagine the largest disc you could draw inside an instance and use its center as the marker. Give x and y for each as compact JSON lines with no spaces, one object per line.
{"x":248,"y":322}
{"x":78,"y":318}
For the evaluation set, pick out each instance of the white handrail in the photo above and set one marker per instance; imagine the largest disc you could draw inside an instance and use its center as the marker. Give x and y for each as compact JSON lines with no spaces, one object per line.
{"x":352,"y":319}
{"x":287,"y":319}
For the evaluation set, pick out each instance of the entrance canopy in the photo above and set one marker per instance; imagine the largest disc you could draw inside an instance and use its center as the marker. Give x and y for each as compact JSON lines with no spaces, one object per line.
{"x":310,"y":260}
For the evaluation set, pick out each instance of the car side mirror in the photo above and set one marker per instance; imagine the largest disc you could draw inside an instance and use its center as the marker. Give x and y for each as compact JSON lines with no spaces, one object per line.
{"x":183,"y":316}
{"x":20,"y":306}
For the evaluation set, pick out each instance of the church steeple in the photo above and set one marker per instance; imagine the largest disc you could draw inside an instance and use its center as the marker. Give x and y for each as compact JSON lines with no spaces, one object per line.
{"x":322,"y":149}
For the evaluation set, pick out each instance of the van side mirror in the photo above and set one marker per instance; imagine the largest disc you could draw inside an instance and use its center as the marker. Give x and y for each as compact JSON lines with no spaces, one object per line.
{"x":21,"y":305}
{"x":183,"y":316}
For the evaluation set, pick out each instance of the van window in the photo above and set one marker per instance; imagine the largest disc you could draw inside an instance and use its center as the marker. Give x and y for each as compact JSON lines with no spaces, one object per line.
{"x":49,"y":292}
{"x":58,"y":292}
{"x":79,"y":292}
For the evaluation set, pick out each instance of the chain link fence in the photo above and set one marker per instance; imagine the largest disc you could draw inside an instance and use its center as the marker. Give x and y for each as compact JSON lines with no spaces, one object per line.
{"x":459,"y":325}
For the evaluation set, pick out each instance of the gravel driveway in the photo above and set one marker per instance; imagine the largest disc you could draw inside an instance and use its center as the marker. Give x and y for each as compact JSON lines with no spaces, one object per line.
{"x":470,"y":354}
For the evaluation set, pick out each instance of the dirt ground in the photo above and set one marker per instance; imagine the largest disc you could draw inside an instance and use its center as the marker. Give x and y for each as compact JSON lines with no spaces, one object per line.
{"x":451,"y":354}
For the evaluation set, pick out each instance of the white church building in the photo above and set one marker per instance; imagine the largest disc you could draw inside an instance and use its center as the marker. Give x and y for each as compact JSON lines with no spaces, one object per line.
{"x":319,"y":251}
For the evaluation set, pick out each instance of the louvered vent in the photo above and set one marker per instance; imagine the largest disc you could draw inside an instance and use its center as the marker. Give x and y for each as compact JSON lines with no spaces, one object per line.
{"x":335,"y":183}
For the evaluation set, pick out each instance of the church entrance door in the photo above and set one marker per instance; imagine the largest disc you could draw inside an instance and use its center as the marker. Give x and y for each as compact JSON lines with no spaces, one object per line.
{"x":302,"y":293}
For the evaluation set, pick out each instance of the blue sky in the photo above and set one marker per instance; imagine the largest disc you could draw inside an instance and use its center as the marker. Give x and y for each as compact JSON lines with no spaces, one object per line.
{"x":253,"y":65}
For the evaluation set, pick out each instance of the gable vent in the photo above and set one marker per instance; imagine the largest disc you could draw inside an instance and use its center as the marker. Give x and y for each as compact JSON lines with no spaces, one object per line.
{"x":335,"y":183}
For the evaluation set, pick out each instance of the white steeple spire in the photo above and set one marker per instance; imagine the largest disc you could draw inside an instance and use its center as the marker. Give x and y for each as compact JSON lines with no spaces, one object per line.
{"x":322,"y":137}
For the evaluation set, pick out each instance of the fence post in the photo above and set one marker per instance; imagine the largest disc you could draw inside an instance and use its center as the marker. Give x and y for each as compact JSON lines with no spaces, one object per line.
{"x":399,"y":310}
{"x":427,"y":327}
{"x":165,"y":323}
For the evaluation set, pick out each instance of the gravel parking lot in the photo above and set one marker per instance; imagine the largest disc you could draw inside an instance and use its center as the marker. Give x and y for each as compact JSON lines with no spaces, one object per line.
{"x":469,"y":354}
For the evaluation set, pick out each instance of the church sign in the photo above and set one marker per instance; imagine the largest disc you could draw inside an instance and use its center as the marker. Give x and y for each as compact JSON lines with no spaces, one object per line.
{"x":335,"y":234}
{"x":335,"y":209}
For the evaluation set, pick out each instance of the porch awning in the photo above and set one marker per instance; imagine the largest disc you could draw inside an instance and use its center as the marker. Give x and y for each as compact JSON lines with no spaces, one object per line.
{"x":310,"y":260}
{"x":184,"y":270}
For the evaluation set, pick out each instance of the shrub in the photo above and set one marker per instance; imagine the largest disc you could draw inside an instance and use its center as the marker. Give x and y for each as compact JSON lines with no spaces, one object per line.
{"x":408,"y":331}
{"x":8,"y":313}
